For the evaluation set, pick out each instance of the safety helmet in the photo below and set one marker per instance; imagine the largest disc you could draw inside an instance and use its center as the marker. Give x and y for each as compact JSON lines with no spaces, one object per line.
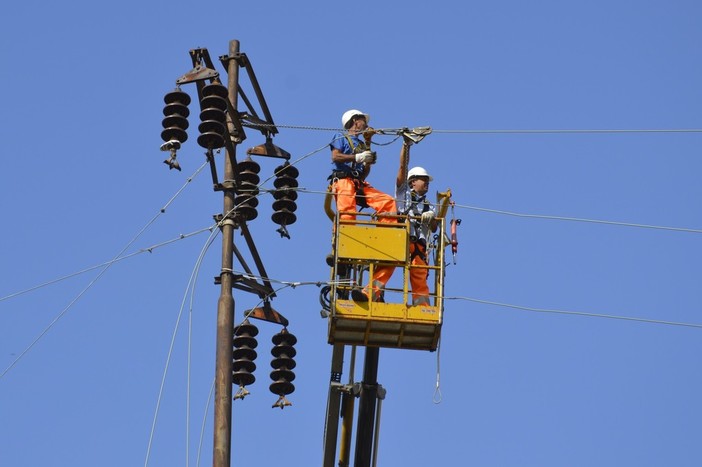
{"x":415,"y":172}
{"x":348,"y":116}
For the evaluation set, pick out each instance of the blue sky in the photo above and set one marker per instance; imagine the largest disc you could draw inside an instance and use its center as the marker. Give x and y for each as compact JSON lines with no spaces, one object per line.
{"x":81,"y":121}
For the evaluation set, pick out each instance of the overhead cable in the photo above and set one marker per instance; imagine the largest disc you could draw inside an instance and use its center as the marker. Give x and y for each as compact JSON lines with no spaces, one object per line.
{"x":98,"y":276}
{"x":559,"y":218}
{"x":574,"y":131}
{"x":577,"y":313}
{"x":189,"y":289}
{"x":578,"y":219}
{"x":511,"y":131}
{"x":149,"y":249}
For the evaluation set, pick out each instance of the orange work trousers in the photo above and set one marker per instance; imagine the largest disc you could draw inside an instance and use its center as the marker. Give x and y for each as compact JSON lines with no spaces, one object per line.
{"x":418,"y":275}
{"x":382,"y":203}
{"x":345,"y":195}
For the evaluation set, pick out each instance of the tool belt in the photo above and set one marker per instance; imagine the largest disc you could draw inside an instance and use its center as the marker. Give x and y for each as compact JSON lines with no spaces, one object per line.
{"x":355,"y":175}
{"x":344,"y":174}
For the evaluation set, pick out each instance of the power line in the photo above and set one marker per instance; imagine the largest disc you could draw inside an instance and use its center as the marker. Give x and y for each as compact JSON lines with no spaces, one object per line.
{"x":294,"y":284}
{"x":577,"y":313}
{"x":507,"y":131}
{"x":573,"y":131}
{"x":99,"y":275}
{"x":579,"y":219}
{"x":149,"y":249}
{"x":189,"y":289}
{"x":304,"y":190}
{"x":549,"y":217}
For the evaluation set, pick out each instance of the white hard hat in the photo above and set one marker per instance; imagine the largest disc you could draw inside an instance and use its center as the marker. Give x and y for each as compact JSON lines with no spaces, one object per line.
{"x":415,"y":172}
{"x":349,"y":114}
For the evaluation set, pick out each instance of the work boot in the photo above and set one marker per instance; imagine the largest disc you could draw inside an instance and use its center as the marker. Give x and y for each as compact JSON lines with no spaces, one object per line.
{"x":420,"y":301}
{"x":358,"y":296}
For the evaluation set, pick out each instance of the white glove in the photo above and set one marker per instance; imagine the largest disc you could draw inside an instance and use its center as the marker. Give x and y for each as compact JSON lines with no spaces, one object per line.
{"x":365,"y":157}
{"x":427,"y":217}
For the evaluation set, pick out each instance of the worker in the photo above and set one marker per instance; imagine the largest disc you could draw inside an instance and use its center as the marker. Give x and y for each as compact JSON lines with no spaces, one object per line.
{"x":410,"y":192}
{"x":351,"y":162}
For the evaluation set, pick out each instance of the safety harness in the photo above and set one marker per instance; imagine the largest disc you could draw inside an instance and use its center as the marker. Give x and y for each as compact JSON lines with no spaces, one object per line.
{"x":418,"y":205}
{"x":354,"y":174}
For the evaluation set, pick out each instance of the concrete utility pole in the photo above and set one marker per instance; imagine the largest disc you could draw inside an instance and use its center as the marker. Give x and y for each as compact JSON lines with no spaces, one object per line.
{"x":225,"y":306}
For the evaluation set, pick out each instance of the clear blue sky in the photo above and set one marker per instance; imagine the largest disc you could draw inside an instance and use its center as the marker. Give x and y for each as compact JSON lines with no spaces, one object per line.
{"x":83,"y":84}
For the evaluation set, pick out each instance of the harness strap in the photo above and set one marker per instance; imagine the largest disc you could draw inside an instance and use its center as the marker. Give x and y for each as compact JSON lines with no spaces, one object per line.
{"x":420,"y":249}
{"x":357,"y":183}
{"x":353,"y":174}
{"x":355,"y":149}
{"x":360,"y":193}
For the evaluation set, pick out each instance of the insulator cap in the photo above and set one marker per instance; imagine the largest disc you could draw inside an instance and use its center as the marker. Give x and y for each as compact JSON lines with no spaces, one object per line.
{"x":176,"y":108}
{"x":215,"y":89}
{"x":245,"y":341}
{"x":282,"y":388}
{"x":246,"y":329}
{"x":284,"y":375}
{"x":283,"y":217}
{"x":213,"y":113}
{"x":244,"y":365}
{"x":174,"y":133}
{"x":285,"y":193}
{"x":244,"y":353}
{"x":285,"y":182}
{"x":287,"y":170}
{"x":175,"y":120}
{"x":243,"y":378}
{"x":284,"y":358}
{"x":284,"y":204}
{"x":246,"y":209}
{"x":248,"y":165}
{"x":247,"y":181}
{"x":177,"y":96}
{"x":213,"y":102}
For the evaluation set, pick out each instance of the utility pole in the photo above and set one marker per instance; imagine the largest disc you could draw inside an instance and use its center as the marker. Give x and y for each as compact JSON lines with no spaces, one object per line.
{"x":222,"y":126}
{"x":225,"y":306}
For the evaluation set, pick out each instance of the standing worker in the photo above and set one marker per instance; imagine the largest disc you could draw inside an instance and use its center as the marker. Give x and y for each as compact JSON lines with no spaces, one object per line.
{"x":411,"y":193}
{"x":351,"y":163}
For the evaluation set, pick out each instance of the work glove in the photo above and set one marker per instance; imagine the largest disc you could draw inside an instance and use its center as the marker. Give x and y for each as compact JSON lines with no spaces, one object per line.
{"x":365,"y":157}
{"x":427,"y":217}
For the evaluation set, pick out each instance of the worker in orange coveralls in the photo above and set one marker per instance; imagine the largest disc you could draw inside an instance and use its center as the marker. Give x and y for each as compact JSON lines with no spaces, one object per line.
{"x":351,"y":163}
{"x":411,"y":194}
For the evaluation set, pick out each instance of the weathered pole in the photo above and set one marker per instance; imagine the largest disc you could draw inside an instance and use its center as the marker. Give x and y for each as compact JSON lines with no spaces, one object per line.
{"x":225,"y":306}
